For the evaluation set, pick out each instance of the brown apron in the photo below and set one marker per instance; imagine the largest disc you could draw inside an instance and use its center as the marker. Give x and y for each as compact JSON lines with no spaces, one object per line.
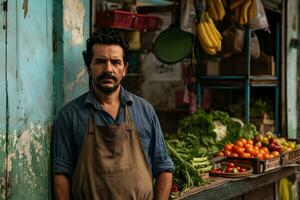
{"x":112,"y":164}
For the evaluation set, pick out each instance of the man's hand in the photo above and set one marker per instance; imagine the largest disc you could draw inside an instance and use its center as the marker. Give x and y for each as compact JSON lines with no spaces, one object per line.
{"x":61,"y":187}
{"x":163,"y":186}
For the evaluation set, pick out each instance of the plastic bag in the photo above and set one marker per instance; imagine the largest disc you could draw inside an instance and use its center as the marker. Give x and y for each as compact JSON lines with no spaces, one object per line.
{"x":187,"y":16}
{"x":259,"y":20}
{"x":233,"y":40}
{"x":254,"y":46}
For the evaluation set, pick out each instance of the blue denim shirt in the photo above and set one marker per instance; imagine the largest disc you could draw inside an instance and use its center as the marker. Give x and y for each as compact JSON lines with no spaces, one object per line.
{"x":72,"y":122}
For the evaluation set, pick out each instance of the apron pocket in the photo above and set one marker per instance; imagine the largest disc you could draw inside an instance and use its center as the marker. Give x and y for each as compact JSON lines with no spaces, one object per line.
{"x":113,"y":154}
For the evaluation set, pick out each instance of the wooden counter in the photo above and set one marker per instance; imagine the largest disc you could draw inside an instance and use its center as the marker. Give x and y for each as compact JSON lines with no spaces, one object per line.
{"x":256,"y":186}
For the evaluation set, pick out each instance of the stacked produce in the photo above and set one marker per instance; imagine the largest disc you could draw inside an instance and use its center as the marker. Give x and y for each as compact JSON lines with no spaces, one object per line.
{"x":275,"y":143}
{"x":243,"y":10}
{"x":230,"y":167}
{"x":208,"y":35}
{"x":199,"y":136}
{"x":243,"y":148}
{"x":261,"y":146}
{"x":216,"y":9}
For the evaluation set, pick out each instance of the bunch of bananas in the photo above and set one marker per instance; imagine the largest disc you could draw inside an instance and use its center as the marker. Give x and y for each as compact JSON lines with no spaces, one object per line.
{"x":243,"y":10}
{"x":285,"y":189}
{"x":208,"y":35}
{"x":216,"y":9}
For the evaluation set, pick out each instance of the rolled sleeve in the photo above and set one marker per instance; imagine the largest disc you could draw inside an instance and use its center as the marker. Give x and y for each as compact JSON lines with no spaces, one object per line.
{"x":161,"y":161}
{"x":63,"y":145}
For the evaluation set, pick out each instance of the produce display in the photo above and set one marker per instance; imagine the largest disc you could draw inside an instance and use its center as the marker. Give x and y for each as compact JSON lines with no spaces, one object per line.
{"x":198,"y":138}
{"x":231,"y":169}
{"x":261,"y":146}
{"x":201,"y":136}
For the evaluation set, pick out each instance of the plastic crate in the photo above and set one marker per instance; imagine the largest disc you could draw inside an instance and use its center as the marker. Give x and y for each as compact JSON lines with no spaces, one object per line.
{"x":291,"y":156}
{"x":259,"y":166}
{"x":115,"y":19}
{"x":147,"y":22}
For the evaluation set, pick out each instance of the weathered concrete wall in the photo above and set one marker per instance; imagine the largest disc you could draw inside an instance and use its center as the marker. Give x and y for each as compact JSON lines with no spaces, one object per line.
{"x":38,"y":74}
{"x":291,"y":71}
{"x":28,"y":110}
{"x":2,"y":100}
{"x":72,"y":27}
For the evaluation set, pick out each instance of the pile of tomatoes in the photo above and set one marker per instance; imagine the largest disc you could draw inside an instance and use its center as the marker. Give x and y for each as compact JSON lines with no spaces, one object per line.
{"x":229,"y":168}
{"x":243,"y":148}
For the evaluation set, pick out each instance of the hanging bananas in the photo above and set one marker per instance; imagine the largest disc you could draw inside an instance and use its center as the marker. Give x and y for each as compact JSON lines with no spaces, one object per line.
{"x":285,"y":189}
{"x":244,"y":10}
{"x":208,"y":35}
{"x":216,"y":9}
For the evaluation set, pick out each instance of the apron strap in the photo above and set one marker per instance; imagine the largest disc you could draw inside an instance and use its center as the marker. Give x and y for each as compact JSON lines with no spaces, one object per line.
{"x":128,"y":122}
{"x":91,"y":125}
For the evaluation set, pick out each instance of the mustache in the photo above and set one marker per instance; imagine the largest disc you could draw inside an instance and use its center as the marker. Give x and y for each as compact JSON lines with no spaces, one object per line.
{"x":106,"y":75}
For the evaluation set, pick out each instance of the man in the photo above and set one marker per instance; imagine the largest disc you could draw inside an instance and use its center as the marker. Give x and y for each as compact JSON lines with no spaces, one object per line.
{"x":108,"y":143}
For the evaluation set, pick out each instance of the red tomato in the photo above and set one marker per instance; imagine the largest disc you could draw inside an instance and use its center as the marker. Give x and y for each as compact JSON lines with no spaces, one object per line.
{"x":248,"y":146}
{"x":239,"y":150}
{"x":228,"y":147}
{"x":275,"y":153}
{"x":175,"y":188}
{"x":235,"y":155}
{"x":243,"y":140}
{"x":227,"y":153}
{"x":239,"y":143}
{"x":260,"y":156}
{"x":242,"y":169}
{"x":228,"y":169}
{"x":230,"y":165}
{"x":250,"y":142}
{"x":245,"y":155}
{"x":216,"y":170}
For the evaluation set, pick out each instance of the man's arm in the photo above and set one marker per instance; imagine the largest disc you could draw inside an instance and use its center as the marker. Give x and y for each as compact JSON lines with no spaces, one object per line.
{"x":163,"y":186}
{"x":61,"y":187}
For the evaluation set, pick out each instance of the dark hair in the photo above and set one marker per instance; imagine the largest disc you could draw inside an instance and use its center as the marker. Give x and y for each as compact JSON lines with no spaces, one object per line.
{"x":105,"y":36}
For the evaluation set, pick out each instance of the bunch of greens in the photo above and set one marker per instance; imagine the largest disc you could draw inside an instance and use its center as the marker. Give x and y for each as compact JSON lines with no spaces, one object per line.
{"x":259,"y":106}
{"x":196,"y":140}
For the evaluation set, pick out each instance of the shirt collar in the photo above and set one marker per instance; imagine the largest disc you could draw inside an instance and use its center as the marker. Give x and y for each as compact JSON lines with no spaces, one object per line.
{"x":91,"y":98}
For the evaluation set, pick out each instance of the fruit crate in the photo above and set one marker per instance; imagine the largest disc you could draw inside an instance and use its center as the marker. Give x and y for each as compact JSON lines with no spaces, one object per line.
{"x":147,"y":22}
{"x":291,"y":156}
{"x":259,"y":166}
{"x":119,"y":19}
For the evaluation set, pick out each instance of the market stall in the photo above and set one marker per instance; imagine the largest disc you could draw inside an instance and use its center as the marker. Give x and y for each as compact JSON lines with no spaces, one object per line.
{"x":259,"y":186}
{"x":215,"y":72}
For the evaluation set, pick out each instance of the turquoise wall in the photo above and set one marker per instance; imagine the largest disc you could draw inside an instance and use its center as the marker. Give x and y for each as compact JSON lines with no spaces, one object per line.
{"x":72,"y":28}
{"x":40,"y":69}
{"x":2,"y":99}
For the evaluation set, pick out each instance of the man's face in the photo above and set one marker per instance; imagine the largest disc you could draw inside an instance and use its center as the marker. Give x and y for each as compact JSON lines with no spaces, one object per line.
{"x":107,"y":67}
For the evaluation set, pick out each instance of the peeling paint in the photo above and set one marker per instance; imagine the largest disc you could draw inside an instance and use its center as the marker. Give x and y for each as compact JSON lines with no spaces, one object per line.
{"x":28,"y":159}
{"x":28,"y":139}
{"x":8,"y":161}
{"x":79,"y":78}
{"x":73,"y":20}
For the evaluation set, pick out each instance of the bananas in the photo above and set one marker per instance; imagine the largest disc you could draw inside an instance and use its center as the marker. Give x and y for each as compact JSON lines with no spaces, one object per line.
{"x":244,"y":10}
{"x":208,"y":35}
{"x":285,"y":189}
{"x":216,"y":9}
{"x":235,"y":3}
